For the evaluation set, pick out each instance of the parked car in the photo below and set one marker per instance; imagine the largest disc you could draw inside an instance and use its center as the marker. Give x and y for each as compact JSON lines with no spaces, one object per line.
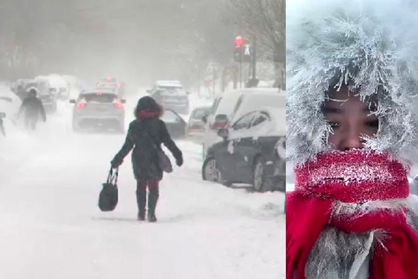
{"x":176,"y":125}
{"x":98,"y":110}
{"x":171,"y":95}
{"x":196,"y":126}
{"x":249,"y":152}
{"x":227,"y":108}
{"x":57,"y":85}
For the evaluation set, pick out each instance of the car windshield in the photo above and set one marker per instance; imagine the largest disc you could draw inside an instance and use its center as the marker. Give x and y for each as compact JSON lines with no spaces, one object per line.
{"x":98,"y":97}
{"x":171,"y":90}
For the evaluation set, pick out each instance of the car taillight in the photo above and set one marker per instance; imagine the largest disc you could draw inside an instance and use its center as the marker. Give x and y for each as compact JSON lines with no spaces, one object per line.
{"x":81,"y":105}
{"x":118,"y":104}
{"x":219,"y":125}
{"x":196,"y":127}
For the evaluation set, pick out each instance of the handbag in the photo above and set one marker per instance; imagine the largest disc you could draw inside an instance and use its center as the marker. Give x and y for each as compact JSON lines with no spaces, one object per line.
{"x":108,"y":198}
{"x":163,"y":161}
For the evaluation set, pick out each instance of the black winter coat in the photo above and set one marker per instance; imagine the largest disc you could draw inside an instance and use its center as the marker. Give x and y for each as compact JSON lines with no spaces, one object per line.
{"x":144,"y":136}
{"x":33,"y":108}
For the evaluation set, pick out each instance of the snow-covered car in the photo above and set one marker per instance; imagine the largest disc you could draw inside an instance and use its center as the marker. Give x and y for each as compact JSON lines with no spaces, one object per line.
{"x":171,"y":95}
{"x":218,"y":118}
{"x":57,"y":84}
{"x":252,"y":98}
{"x":176,"y":125}
{"x":248,"y":152}
{"x":196,"y":126}
{"x":98,"y":110}
{"x":231,"y":105}
{"x":48,"y":97}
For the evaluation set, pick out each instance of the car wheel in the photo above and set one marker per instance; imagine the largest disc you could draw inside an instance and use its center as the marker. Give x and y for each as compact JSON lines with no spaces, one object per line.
{"x":258,"y":175}
{"x":209,"y":170}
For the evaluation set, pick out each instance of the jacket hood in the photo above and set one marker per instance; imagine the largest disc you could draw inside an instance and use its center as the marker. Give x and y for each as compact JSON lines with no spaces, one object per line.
{"x":372,"y":48}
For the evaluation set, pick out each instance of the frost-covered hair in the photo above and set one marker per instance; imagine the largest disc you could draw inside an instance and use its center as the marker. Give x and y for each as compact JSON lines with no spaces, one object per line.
{"x":371,"y":47}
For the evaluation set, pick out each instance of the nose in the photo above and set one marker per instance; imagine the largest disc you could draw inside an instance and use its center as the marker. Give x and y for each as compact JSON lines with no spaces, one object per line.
{"x":352,"y":140}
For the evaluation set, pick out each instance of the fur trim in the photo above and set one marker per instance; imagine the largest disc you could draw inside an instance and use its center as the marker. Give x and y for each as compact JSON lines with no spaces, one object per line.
{"x":371,"y":47}
{"x":359,"y":209}
{"x":328,"y":260}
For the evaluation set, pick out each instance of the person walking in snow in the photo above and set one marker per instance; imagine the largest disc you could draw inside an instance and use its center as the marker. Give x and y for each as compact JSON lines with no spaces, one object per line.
{"x":33,"y":109}
{"x":350,"y":121}
{"x":145,"y":135}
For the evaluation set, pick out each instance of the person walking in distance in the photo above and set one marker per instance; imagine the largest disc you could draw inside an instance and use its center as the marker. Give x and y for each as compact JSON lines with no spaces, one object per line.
{"x":32,"y":109}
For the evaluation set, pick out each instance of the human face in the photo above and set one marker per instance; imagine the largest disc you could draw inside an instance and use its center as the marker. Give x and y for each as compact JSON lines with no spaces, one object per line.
{"x":350,"y":119}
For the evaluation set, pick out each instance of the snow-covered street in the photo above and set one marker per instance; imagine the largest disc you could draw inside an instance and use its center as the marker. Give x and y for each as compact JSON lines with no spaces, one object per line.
{"x":51,"y":227}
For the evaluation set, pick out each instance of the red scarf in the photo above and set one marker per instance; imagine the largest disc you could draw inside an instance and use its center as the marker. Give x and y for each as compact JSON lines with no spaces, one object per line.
{"x":351,"y":177}
{"x":145,"y":114}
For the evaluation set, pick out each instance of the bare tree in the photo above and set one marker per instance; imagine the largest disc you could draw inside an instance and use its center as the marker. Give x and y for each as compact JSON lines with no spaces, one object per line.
{"x":265,"y":20}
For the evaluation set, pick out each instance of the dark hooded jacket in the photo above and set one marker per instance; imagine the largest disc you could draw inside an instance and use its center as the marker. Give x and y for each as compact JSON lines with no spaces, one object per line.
{"x":33,"y":108}
{"x":145,"y":136}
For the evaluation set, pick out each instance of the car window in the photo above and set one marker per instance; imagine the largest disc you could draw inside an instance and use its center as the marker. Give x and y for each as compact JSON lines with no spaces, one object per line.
{"x":259,"y":118}
{"x":98,"y":98}
{"x":171,"y":90}
{"x":244,"y":122}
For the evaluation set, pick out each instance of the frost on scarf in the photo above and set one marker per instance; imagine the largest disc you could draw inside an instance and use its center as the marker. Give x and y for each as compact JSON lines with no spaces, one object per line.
{"x":371,"y":48}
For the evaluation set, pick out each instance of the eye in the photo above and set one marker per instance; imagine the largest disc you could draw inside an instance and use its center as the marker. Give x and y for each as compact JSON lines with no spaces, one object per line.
{"x":373,"y":123}
{"x":334,"y":124}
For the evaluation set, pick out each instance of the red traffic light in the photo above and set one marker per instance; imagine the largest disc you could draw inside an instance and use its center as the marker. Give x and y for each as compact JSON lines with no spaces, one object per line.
{"x":239,"y":41}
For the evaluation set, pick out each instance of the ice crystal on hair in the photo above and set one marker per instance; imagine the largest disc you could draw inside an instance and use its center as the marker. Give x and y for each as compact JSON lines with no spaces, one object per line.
{"x":371,"y":48}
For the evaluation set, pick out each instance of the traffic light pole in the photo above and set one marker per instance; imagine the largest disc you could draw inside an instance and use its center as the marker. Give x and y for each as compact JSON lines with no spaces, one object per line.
{"x":254,"y":60}
{"x":240,"y":67}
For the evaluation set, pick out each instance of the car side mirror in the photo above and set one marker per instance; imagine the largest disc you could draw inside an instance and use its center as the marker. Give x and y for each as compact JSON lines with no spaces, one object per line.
{"x":72,"y":101}
{"x":223,"y":133}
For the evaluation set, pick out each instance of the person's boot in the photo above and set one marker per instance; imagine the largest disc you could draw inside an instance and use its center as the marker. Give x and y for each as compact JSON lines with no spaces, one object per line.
{"x":141,"y":199}
{"x":141,"y":215}
{"x":152,"y":203}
